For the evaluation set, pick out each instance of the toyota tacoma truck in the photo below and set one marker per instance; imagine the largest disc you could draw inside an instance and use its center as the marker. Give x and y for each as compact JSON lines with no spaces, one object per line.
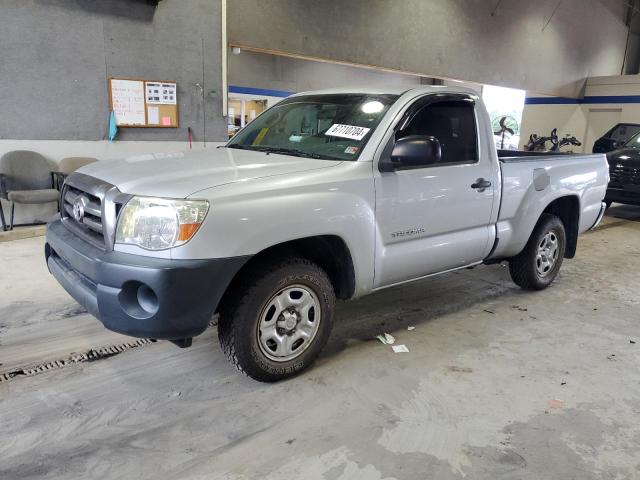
{"x":327,"y":195}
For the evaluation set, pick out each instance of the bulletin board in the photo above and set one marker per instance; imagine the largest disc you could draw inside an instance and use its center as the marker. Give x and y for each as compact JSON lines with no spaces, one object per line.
{"x":142,"y":103}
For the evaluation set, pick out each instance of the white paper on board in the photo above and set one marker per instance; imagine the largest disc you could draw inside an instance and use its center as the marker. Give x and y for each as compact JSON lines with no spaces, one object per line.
{"x":168,"y":94}
{"x":153,"y":90}
{"x":127,"y":98}
{"x":161,"y":93}
{"x":153,"y":115}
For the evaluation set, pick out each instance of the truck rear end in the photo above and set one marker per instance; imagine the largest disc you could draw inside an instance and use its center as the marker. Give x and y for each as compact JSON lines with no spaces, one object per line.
{"x":570,"y":186}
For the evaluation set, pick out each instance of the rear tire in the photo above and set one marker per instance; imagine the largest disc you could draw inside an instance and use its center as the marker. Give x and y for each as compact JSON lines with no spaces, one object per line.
{"x":537,"y":266}
{"x":279,"y":321}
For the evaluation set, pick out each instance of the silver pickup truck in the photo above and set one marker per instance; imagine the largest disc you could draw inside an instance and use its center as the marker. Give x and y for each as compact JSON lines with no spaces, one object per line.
{"x":329,"y":194}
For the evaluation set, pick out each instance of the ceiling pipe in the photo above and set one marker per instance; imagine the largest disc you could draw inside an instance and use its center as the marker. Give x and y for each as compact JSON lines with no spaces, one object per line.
{"x":225,"y":49}
{"x":628,"y":17}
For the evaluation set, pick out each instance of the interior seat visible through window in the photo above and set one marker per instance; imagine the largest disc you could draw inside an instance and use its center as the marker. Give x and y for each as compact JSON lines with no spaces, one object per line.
{"x":453,"y":124}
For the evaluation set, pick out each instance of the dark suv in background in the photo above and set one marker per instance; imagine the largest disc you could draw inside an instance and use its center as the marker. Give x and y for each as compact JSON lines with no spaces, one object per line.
{"x":616,"y":137}
{"x":624,"y":170}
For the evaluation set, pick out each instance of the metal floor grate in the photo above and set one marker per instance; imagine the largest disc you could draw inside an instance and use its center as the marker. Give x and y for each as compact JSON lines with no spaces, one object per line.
{"x":90,"y":355}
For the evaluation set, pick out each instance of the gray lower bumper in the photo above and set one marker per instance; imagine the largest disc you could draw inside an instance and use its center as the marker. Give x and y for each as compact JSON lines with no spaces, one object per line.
{"x":136,"y":295}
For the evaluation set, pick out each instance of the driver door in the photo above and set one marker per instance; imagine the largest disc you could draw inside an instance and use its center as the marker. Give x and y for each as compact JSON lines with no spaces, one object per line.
{"x":431,"y":219}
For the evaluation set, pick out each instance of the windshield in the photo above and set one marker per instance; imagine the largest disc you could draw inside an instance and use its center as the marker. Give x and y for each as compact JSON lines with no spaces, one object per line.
{"x":335,"y":127}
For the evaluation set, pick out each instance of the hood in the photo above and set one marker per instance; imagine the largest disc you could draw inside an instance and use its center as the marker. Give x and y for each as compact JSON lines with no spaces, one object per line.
{"x":627,"y":156}
{"x":178,"y":175}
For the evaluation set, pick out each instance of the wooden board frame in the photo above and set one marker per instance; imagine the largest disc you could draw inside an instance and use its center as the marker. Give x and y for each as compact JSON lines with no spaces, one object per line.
{"x":146,"y":105}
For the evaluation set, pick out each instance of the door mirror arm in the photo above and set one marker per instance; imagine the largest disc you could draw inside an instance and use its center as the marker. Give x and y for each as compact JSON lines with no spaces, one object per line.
{"x":386,"y":165}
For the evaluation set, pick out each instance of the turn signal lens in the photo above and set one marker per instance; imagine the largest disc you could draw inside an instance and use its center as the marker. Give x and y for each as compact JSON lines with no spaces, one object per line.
{"x":187,"y":231}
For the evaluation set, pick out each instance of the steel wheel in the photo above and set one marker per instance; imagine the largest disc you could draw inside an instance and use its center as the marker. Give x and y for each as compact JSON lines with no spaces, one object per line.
{"x":539,"y":262}
{"x":288,"y":323}
{"x":547,"y":254}
{"x":278,"y":318}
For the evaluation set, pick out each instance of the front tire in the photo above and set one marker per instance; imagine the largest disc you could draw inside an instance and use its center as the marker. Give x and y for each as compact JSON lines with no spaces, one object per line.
{"x":278,"y":323}
{"x":537,"y":266}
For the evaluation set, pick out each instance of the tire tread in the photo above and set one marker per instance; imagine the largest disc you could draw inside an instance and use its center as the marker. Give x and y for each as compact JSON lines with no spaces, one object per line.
{"x":239,"y":300}
{"x":521,"y":267}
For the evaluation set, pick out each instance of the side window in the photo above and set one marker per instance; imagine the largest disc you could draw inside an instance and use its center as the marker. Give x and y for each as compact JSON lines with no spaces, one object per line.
{"x":453,"y":123}
{"x":618,"y":132}
{"x":622,"y":133}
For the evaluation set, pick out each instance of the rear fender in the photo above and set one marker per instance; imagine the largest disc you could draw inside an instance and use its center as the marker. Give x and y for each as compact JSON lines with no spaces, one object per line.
{"x":570,"y":187}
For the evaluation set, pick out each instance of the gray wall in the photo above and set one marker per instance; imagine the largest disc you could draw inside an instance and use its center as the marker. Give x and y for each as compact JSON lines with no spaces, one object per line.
{"x":459,"y":39}
{"x":56,"y":55}
{"x":289,"y":74}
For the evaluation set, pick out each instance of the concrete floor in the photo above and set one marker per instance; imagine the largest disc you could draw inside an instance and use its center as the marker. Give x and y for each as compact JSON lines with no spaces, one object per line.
{"x":498,"y":384}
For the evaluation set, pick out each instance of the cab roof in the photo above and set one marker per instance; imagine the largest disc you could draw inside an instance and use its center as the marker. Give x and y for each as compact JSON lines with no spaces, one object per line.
{"x":390,"y":90}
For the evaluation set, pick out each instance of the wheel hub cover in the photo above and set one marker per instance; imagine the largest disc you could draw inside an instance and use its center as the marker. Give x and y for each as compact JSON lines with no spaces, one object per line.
{"x":289,"y":320}
{"x":288,"y":323}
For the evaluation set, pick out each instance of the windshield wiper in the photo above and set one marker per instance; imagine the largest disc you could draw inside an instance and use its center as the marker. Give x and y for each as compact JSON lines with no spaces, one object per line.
{"x":287,"y":151}
{"x":294,"y":152}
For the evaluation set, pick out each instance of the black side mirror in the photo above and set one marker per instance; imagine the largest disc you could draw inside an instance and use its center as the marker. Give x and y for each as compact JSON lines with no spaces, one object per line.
{"x":414,"y":151}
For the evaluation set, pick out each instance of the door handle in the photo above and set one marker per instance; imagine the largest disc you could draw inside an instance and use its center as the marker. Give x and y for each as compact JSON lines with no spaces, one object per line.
{"x":481,"y":184}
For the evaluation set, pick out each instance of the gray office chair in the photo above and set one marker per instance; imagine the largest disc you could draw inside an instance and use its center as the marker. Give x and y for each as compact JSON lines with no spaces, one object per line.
{"x":25,"y":177}
{"x":67,"y":166}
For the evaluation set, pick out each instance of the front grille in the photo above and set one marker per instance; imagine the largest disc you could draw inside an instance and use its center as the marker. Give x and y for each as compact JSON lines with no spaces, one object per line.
{"x":97,"y":205}
{"x":91,"y":220}
{"x":624,"y":176}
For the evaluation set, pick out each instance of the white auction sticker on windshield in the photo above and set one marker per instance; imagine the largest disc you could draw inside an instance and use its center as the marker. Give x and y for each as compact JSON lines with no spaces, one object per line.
{"x":347,"y":131}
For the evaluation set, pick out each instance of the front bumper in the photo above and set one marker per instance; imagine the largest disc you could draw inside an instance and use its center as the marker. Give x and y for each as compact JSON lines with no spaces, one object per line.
{"x":136,"y":295}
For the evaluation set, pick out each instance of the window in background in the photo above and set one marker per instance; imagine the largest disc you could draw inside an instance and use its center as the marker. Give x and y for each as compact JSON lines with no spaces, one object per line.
{"x":505,"y":106}
{"x":243,"y":110}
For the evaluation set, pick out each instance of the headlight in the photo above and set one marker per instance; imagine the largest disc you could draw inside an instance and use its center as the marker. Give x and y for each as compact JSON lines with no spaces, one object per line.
{"x":160,"y":223}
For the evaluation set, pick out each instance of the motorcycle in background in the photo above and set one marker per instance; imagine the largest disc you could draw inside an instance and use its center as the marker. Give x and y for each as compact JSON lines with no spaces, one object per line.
{"x":539,"y":144}
{"x":569,"y":140}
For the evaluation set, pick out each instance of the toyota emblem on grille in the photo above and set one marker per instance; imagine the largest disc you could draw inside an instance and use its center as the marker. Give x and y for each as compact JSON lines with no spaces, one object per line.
{"x":79,"y":205}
